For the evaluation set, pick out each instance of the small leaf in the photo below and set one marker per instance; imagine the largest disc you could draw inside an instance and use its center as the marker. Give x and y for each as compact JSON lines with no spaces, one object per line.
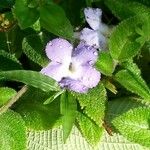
{"x":26,"y":16}
{"x":53,"y":19}
{"x":12,"y":131}
{"x":35,"y":51}
{"x":36,"y":115}
{"x":91,"y":131}
{"x":134,"y":83}
{"x":32,"y":78}
{"x":125,"y":8}
{"x":8,"y":61}
{"x":105,"y":64}
{"x":68,"y":108}
{"x":134,"y":125}
{"x":93,"y":103}
{"x":6,"y":94}
{"x":53,"y":97}
{"x":123,"y":44}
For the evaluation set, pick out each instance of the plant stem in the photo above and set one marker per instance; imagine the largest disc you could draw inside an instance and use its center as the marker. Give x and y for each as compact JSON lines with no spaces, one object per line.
{"x":13,"y":100}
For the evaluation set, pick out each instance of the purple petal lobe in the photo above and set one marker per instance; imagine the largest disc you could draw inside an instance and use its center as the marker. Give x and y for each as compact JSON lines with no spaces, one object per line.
{"x":93,"y":38}
{"x":93,"y":17}
{"x":55,"y":70}
{"x":90,"y":76}
{"x":59,"y":50}
{"x":84,"y":54}
{"x":73,"y":85}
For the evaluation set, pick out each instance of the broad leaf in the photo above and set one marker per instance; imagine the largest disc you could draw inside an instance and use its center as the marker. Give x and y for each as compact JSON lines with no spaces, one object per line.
{"x":8,"y":61}
{"x":93,"y":103}
{"x":68,"y":108}
{"x":117,"y":107}
{"x":134,"y":125}
{"x":31,"y":78}
{"x":36,"y":115}
{"x":26,"y":16}
{"x":90,"y":131}
{"x":52,"y":139}
{"x":105,"y":63}
{"x":12,"y":131}
{"x":6,"y":94}
{"x":53,"y":19}
{"x":125,"y":8}
{"x":134,"y":83}
{"x":123,"y":43}
{"x":35,"y":50}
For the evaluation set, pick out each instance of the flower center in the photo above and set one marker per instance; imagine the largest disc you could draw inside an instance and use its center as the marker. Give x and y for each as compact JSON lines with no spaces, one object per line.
{"x":72,"y":67}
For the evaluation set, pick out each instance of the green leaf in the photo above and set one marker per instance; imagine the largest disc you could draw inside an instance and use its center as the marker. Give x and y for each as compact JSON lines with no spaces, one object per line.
{"x":68,"y":109}
{"x":12,"y":131}
{"x":8,"y":61}
{"x":90,"y":131}
{"x":26,"y":16}
{"x":6,"y":94}
{"x":117,"y":107}
{"x":35,"y":50}
{"x":6,"y":3}
{"x":53,"y":97}
{"x":36,"y":115}
{"x":134,"y":125}
{"x":118,"y":142}
{"x":145,"y":2}
{"x":52,"y":139}
{"x":105,"y":64}
{"x":53,"y":19}
{"x":125,"y":8}
{"x":134,"y":83}
{"x":93,"y":103}
{"x":123,"y":44}
{"x":32,"y":78}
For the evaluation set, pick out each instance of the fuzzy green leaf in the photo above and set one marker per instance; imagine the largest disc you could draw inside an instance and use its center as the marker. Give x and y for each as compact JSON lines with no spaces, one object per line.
{"x":12,"y":131}
{"x":31,"y":78}
{"x":26,"y":16}
{"x":117,"y":107}
{"x":53,"y":19}
{"x":35,"y":50}
{"x":6,"y":94}
{"x":94,"y":103}
{"x":36,"y":115}
{"x":8,"y":61}
{"x":52,"y":139}
{"x":134,"y":125}
{"x":134,"y":83}
{"x":90,"y":131}
{"x":68,"y":108}
{"x":105,"y":64}
{"x":125,"y":8}
{"x":123,"y":42}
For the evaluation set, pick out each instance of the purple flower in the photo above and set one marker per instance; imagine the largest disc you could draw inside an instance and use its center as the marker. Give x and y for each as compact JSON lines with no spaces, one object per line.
{"x":72,"y":68}
{"x":97,"y":35}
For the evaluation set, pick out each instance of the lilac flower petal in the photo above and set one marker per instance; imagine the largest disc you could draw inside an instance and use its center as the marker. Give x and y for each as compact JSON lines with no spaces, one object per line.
{"x":93,"y":38}
{"x":93,"y":17}
{"x":90,"y":76}
{"x":73,"y":85}
{"x":55,"y":70}
{"x":59,"y":50}
{"x":84,"y":54}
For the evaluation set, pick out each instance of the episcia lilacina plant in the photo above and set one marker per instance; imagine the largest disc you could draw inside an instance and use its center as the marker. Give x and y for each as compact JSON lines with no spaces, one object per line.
{"x":74,"y":73}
